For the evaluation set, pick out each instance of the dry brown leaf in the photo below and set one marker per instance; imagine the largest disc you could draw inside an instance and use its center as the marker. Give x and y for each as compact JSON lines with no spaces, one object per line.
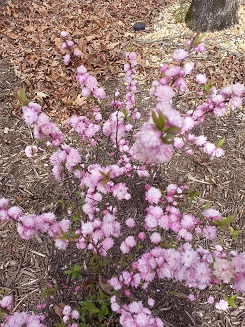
{"x":91,"y":37}
{"x":112,"y":45}
{"x":58,"y":309}
{"x":107,"y":288}
{"x":82,"y":44}
{"x":41,"y":95}
{"x":67,"y":100}
{"x":80,"y":100}
{"x":29,"y":28}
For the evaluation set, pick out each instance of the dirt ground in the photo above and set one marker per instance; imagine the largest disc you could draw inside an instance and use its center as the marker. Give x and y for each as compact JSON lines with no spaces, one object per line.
{"x":26,"y":267}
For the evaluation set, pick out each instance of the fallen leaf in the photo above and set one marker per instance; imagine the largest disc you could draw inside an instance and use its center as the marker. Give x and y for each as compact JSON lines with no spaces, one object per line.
{"x":41,"y":95}
{"x":80,"y":100}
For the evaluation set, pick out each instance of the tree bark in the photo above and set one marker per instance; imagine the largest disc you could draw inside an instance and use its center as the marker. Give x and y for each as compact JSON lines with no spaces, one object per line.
{"x":211,"y":15}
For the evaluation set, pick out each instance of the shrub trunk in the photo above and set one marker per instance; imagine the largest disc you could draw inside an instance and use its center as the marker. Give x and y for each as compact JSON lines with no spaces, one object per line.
{"x":210,"y":15}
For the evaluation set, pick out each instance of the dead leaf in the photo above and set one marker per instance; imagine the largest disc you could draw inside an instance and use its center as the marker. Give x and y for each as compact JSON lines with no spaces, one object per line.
{"x":82,"y":44}
{"x":29,"y":28}
{"x":113,"y":45}
{"x":107,"y":288}
{"x":80,"y":100}
{"x":91,"y":37}
{"x":41,"y":95}
{"x":58,"y":309}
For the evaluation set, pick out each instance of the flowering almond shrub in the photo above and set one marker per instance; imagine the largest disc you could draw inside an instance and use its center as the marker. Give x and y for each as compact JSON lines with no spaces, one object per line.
{"x":128,"y":224}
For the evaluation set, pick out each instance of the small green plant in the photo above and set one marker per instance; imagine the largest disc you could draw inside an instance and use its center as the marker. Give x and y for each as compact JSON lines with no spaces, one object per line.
{"x":74,"y":272}
{"x":49,"y":291}
{"x":95,"y":310}
{"x":193,"y":194}
{"x":231,"y":301}
{"x":234,"y":233}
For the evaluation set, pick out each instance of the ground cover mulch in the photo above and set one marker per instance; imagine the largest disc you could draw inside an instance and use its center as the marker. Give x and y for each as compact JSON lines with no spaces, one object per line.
{"x":31,"y":58}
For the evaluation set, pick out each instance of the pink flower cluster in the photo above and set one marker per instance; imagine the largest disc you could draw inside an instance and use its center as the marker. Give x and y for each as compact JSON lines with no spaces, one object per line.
{"x":89,"y":84}
{"x":115,"y":127}
{"x":184,"y":264}
{"x":6,"y":301}
{"x":231,"y":270}
{"x":30,"y":225}
{"x":85,"y":128}
{"x":149,"y":146}
{"x":31,"y":151}
{"x":69,"y":315}
{"x":68,"y":156}
{"x":32,"y":115}
{"x":135,"y":314}
{"x":23,"y":319}
{"x":69,"y":45}
{"x":130,"y":72}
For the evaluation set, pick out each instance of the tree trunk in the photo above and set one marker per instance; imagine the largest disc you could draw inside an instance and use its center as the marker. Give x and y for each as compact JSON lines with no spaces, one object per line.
{"x":210,"y":15}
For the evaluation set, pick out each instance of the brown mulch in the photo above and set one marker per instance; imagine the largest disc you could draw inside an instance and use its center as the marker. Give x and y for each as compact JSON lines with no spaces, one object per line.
{"x":31,"y":58}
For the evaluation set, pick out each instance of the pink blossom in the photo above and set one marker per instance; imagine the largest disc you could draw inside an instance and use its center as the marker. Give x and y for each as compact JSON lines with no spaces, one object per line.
{"x":124,"y":248}
{"x":64,"y":34}
{"x":75,"y":314}
{"x":222,"y":305}
{"x":201,"y":78}
{"x":67,"y":59}
{"x":188,"y":221}
{"x":70,"y":44}
{"x":191,"y":297}
{"x":164,"y":93}
{"x":210,"y":232}
{"x":179,"y":55}
{"x":3,"y":203}
{"x":99,"y":93}
{"x":65,"y":318}
{"x":15,"y":212}
{"x":114,"y":282}
{"x":130,"y":222}
{"x":130,"y":241}
{"x":179,"y":142}
{"x":239,"y":282}
{"x":156,"y":238}
{"x":172,"y":72}
{"x":153,"y":195}
{"x":142,"y":236}
{"x":212,"y":214}
{"x":189,"y":123}
{"x":149,"y":146}
{"x":238,"y":89}
{"x":67,"y":310}
{"x":223,"y":269}
{"x":31,"y":151}
{"x":151,"y":302}
{"x":236,"y":102}
{"x":209,"y":148}
{"x":64,"y":46}
{"x":188,"y":67}
{"x":77,"y":53}
{"x":6,"y":301}
{"x":200,"y":140}
{"x":61,"y":244}
{"x":199,"y":48}
{"x":4,"y":215}
{"x":30,"y":115}
{"x":73,"y":158}
{"x":107,"y":243}
{"x":211,"y":299}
